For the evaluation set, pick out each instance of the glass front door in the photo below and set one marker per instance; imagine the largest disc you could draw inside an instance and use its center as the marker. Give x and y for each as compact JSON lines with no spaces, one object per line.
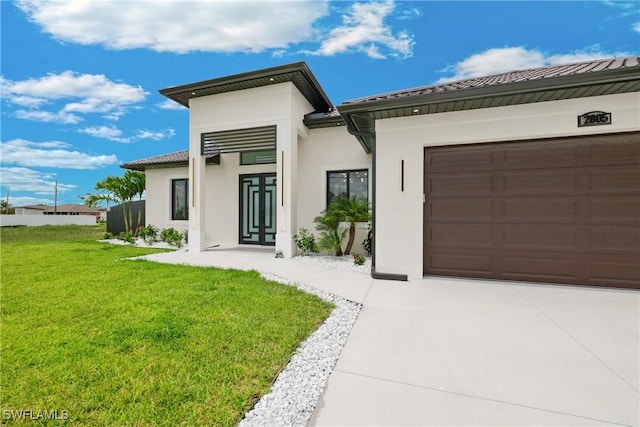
{"x":258,"y":209}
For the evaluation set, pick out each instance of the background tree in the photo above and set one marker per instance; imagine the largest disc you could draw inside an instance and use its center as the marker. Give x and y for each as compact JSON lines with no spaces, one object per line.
{"x":6,"y":208}
{"x":122,"y":190}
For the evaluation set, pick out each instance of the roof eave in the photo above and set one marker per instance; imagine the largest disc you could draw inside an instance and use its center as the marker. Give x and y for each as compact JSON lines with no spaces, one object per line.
{"x":261,"y":77}
{"x":556,"y":83}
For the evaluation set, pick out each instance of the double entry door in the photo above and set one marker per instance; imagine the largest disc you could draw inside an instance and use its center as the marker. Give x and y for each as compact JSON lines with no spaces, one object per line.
{"x":258,"y":209}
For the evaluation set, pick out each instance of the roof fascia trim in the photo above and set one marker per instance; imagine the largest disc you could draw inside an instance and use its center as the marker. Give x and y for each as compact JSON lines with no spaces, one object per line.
{"x":556,"y":83}
{"x":300,"y":67}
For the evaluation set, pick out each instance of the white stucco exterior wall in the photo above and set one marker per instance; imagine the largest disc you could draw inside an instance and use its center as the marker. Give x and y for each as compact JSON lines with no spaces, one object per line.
{"x":327,"y":149}
{"x":213,"y":216}
{"x":158,"y":192}
{"x":399,"y":214}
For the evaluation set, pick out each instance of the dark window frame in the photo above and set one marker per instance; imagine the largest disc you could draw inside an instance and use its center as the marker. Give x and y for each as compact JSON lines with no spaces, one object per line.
{"x":186,"y":199}
{"x":342,"y":171}
{"x":275,"y":157}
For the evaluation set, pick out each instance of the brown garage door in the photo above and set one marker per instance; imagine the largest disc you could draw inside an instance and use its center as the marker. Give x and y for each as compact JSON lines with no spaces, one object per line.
{"x":559,"y":211}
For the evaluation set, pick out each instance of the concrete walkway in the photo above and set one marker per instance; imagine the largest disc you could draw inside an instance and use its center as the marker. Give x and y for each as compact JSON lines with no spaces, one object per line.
{"x":470,"y":352}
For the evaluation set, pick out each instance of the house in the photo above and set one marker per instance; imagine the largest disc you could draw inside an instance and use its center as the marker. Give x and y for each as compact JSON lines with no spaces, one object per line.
{"x":528,"y":175}
{"x":66,"y":209}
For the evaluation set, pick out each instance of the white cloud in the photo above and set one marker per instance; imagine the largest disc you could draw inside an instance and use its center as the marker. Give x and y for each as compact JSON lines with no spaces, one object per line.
{"x":636,"y":26}
{"x":111,"y":133}
{"x":24,"y":179}
{"x":73,"y":94}
{"x":155,"y":135}
{"x":27,"y":201}
{"x":223,"y":26}
{"x":363,"y":30}
{"x":48,"y":117}
{"x":176,"y":26}
{"x":500,"y":60}
{"x":168,"y":104}
{"x":52,"y":154}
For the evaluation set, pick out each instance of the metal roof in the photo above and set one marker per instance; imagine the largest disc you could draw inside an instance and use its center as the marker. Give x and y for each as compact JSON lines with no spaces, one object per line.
{"x":297,"y":73}
{"x":176,"y":159}
{"x":592,"y":78}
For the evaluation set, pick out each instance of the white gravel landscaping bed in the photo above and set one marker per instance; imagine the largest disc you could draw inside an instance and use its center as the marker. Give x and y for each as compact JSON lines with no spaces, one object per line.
{"x":297,"y":389}
{"x":342,"y":262}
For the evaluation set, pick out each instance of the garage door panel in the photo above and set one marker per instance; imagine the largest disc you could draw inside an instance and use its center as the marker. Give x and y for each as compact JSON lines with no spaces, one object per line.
{"x":540,"y":209}
{"x":615,"y":270}
{"x":461,"y":209}
{"x":614,"y":150}
{"x":540,"y":236}
{"x":614,"y":209}
{"x":474,"y":263}
{"x":461,"y":235}
{"x":540,"y":266}
{"x":469,"y":184}
{"x":615,"y":179}
{"x":471,"y":158}
{"x":555,"y":211}
{"x":615,"y":239}
{"x":542,"y":181}
{"x":549,"y":155}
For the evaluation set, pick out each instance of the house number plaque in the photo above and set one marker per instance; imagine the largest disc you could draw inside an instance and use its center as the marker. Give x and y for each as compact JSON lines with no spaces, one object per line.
{"x":594,"y":118}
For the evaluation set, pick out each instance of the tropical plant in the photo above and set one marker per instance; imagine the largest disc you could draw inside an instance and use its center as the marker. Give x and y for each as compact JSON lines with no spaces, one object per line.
{"x":149,"y":233}
{"x":172,"y":237}
{"x":331,"y":237}
{"x":358,"y":259}
{"x":351,"y":210}
{"x":125,"y":236}
{"x":305,"y":241}
{"x":121,"y":190}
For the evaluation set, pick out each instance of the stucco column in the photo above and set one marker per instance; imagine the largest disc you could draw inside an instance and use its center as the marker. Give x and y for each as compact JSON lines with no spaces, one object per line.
{"x":287,"y":176}
{"x":197,"y":202}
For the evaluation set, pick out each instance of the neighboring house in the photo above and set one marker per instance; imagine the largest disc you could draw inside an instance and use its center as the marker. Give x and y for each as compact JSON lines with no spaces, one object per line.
{"x":30,"y":210}
{"x":67,"y":209}
{"x":528,"y":175}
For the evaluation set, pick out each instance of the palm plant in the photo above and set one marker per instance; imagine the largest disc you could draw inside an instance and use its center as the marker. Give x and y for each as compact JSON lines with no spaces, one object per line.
{"x":351,"y":210}
{"x":122,"y":190}
{"x":331,"y":237}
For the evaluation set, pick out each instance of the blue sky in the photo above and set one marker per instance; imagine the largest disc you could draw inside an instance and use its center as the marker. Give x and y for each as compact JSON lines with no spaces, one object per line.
{"x":80,"y":79}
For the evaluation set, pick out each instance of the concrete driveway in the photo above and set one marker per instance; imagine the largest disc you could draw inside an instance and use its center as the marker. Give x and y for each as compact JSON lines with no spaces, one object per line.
{"x":472,"y":352}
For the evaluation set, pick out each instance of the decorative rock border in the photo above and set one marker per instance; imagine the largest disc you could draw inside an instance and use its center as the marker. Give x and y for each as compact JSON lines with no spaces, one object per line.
{"x":297,"y":389}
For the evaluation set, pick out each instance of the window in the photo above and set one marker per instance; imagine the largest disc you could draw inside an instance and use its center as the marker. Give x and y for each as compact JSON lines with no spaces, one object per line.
{"x":179,"y":199}
{"x":257,"y":157}
{"x":348,"y":183}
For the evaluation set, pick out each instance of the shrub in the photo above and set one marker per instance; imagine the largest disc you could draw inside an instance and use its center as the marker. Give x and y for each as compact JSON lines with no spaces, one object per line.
{"x":331,"y":236}
{"x":108,"y":235}
{"x":366,"y":243}
{"x":126,"y":237}
{"x":358,"y":259}
{"x":305,"y":241}
{"x":172,"y":237}
{"x":149,"y":233}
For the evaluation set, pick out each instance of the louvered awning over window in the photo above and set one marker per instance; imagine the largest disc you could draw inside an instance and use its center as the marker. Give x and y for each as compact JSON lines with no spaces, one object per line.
{"x":238,"y":140}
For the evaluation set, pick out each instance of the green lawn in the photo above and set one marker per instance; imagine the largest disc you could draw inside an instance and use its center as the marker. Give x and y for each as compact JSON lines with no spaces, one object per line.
{"x":121,"y":342}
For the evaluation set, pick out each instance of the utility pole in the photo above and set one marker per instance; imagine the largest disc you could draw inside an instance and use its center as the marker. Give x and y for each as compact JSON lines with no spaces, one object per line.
{"x":55,"y":200}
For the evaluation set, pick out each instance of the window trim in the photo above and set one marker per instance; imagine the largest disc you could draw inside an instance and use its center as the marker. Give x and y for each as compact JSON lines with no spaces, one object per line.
{"x":173,"y":199}
{"x":347,"y":171}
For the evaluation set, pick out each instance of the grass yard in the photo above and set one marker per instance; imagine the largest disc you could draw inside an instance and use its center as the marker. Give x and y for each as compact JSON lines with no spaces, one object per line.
{"x":122,"y":342}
